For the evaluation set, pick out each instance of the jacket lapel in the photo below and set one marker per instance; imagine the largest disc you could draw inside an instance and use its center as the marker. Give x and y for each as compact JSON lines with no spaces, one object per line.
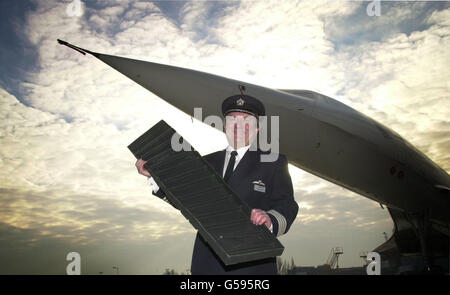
{"x":218,"y":161}
{"x":243,"y":168}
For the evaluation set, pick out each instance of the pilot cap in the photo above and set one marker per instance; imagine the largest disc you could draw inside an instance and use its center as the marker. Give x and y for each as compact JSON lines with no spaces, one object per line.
{"x":243,"y":103}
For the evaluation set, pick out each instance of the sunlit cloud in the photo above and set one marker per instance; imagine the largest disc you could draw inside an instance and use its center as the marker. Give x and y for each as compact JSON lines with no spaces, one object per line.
{"x":68,"y":179}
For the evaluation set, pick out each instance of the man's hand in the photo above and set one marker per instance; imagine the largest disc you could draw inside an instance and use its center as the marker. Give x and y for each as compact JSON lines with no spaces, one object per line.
{"x":259,"y":217}
{"x":140,"y":167}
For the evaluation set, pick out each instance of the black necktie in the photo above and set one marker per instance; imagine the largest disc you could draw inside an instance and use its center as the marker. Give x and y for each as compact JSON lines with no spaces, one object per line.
{"x":230,"y":166}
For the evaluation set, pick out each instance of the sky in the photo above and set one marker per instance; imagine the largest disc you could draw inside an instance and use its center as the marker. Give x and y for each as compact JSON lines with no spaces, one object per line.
{"x":68,"y":183}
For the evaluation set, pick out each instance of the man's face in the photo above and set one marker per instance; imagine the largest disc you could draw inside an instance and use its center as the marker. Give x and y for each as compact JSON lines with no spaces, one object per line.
{"x":241,"y":129}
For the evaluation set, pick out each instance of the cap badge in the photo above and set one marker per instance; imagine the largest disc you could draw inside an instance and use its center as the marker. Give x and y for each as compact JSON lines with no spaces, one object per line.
{"x":240,"y":102}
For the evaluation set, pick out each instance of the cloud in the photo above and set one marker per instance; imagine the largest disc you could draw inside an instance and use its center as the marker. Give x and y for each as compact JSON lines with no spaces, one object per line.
{"x":403,"y":83}
{"x":88,"y":218}
{"x":31,"y":252}
{"x":358,"y":28}
{"x":102,"y":230}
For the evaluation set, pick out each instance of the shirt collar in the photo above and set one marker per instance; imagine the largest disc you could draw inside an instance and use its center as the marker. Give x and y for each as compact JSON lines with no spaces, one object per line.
{"x":241,"y":151}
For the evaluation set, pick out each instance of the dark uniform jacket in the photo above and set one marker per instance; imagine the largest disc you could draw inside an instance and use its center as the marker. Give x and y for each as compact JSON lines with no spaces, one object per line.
{"x":262,"y":185}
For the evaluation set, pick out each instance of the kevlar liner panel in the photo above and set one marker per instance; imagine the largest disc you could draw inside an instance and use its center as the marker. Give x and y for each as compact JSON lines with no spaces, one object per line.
{"x":202,"y":196}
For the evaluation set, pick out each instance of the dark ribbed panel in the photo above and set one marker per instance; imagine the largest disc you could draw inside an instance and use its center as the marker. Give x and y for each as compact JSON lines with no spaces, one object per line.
{"x":202,"y":196}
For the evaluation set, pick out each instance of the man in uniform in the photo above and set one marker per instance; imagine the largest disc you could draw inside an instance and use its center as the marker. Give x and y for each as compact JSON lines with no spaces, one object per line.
{"x":264,"y":186}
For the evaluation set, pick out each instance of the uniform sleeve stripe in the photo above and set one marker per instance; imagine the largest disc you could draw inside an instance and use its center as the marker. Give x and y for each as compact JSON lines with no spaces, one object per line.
{"x":281,"y":221}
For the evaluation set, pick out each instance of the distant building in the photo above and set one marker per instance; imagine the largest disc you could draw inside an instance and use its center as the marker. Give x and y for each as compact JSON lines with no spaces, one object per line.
{"x":326,"y":270}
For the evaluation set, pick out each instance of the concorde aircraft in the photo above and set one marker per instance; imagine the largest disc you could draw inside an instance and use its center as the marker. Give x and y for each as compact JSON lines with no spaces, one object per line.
{"x":332,"y":141}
